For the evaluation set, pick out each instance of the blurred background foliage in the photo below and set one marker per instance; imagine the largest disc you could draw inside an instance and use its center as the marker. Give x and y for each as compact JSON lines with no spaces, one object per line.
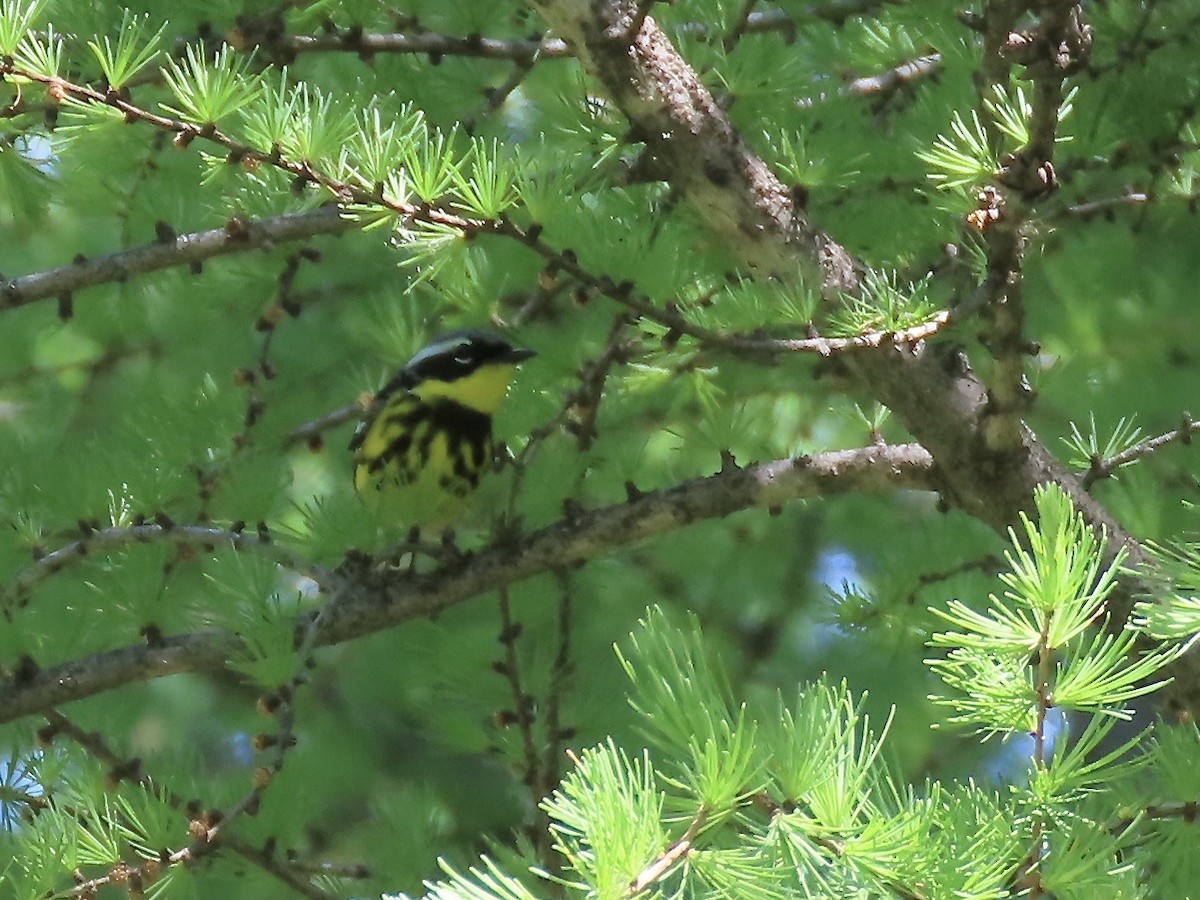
{"x":180,"y":392}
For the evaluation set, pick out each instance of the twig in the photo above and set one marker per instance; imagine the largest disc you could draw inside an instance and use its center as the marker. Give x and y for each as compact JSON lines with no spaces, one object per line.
{"x":672,"y":855}
{"x":285,"y":304}
{"x":367,"y":604}
{"x":366,"y":43}
{"x":122,"y":769}
{"x":1104,"y":468}
{"x":119,"y":536}
{"x":989,"y":564}
{"x":585,"y":398}
{"x":310,"y":432}
{"x":431,"y":43}
{"x":1188,"y":811}
{"x":1091,"y":208}
{"x":670,"y":317}
{"x":560,"y":670}
{"x":355,"y":871}
{"x":1029,"y":874}
{"x":284,"y":709}
{"x":241,"y":153}
{"x":888,"y":81}
{"x":296,"y":875}
{"x":522,"y":702}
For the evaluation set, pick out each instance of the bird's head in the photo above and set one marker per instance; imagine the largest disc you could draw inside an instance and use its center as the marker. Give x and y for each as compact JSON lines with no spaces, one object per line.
{"x":471,"y":367}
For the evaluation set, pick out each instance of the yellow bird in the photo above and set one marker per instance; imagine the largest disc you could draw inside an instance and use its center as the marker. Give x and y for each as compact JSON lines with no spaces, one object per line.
{"x":427,"y":439}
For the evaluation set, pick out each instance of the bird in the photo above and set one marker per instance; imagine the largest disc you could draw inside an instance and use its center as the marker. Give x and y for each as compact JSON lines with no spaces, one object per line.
{"x":423,"y":445}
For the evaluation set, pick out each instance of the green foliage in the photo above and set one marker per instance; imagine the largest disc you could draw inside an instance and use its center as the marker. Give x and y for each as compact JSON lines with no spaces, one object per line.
{"x":263,"y":613}
{"x":379,"y":142}
{"x":209,"y":91}
{"x":883,"y":306}
{"x":134,"y":48}
{"x":41,"y":54}
{"x":488,"y":187}
{"x":1056,"y":594}
{"x":815,"y":805}
{"x":482,"y":882}
{"x":615,"y":816}
{"x":962,"y":158}
{"x":775,"y":737}
{"x":17,"y":17}
{"x":971,"y":154}
{"x":1173,"y":614}
{"x":430,"y":166}
{"x":607,"y":819}
{"x":1088,"y":449}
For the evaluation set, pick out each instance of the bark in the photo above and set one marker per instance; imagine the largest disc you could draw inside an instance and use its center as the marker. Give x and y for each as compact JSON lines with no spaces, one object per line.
{"x":937,"y":396}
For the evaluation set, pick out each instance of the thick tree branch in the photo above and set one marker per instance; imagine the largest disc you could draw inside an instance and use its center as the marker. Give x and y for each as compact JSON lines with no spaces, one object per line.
{"x":238,"y":236}
{"x":940,"y":401}
{"x":1050,"y":51}
{"x":692,"y":137}
{"x":375,"y":598}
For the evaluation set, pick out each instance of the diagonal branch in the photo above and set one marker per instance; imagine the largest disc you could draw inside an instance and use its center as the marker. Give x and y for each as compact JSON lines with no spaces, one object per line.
{"x":673,"y":854}
{"x":238,"y":236}
{"x":940,"y":401}
{"x":692,"y":137}
{"x":377,"y":599}
{"x":119,"y":536}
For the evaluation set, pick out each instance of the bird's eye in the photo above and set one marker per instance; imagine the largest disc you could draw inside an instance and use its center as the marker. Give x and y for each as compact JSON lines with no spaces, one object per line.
{"x":462,"y":359}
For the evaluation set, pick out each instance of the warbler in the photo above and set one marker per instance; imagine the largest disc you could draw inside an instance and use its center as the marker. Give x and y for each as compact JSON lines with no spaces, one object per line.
{"x":427,"y":439}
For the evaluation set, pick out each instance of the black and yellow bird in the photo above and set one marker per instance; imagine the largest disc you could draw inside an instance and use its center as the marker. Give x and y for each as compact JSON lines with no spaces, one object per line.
{"x":427,"y":439}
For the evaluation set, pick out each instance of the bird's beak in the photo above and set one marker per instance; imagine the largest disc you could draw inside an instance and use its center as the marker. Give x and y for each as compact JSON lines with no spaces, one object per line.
{"x":518,"y":355}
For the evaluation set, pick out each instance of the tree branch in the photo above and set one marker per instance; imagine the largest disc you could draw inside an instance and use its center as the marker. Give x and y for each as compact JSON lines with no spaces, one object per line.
{"x":671,"y":317}
{"x":940,"y":401}
{"x":290,"y":874}
{"x":119,"y":536}
{"x":378,"y":598}
{"x":20,"y":291}
{"x":1103,"y":468}
{"x":368,"y":43}
{"x":430,"y":42}
{"x":886,"y":82}
{"x":693,"y":138}
{"x":673,"y":854}
{"x":238,"y":236}
{"x":1050,"y":51}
